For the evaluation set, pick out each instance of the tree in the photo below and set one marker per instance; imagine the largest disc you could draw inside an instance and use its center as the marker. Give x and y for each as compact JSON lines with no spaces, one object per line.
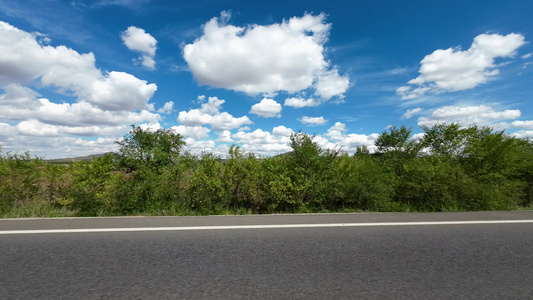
{"x":397,"y":147}
{"x":149,"y":148}
{"x":396,"y":140}
{"x":445,"y":139}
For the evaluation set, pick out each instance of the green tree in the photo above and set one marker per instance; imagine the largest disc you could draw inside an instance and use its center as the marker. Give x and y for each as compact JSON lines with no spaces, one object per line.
{"x":396,"y":147}
{"x":360,"y":183}
{"x":208,"y":192}
{"x":91,"y":192}
{"x":245,"y":175}
{"x":149,"y":148}
{"x":310,"y":169}
{"x":445,"y":139}
{"x":396,"y":140}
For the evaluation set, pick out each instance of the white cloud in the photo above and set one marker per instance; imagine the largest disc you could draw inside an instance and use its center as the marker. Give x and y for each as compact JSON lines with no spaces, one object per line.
{"x":282,"y":131}
{"x":212,"y":106}
{"x":23,"y":59}
{"x":18,"y":96}
{"x":522,"y":124}
{"x":136,"y":39}
{"x":330,"y":84}
{"x":524,"y":134}
{"x":105,"y":104}
{"x":152,"y":127}
{"x":266,"y":143}
{"x":36,"y":128}
{"x":453,"y":69}
{"x":195,"y":132}
{"x":199,"y":147}
{"x":313,"y":120}
{"x":515,"y":124}
{"x":225,"y":121}
{"x":150,"y":106}
{"x":350,"y":142}
{"x":411,"y":112}
{"x":324,"y":143}
{"x":147,"y":61}
{"x":167,"y":108}
{"x":111,"y":92}
{"x":262,"y":142}
{"x":27,"y":137}
{"x":194,"y":117}
{"x":209,"y":114}
{"x":267,"y":108}
{"x":466,"y":115}
{"x":287,"y":56}
{"x":224,"y":137}
{"x":76,"y":114}
{"x":301,"y":102}
{"x":336,"y":130}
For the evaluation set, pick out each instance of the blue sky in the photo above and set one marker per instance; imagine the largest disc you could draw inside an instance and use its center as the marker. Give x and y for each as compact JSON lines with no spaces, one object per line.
{"x":74,"y":75}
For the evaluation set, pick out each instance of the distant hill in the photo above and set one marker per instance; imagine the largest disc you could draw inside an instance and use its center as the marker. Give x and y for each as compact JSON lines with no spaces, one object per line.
{"x":75,"y":159}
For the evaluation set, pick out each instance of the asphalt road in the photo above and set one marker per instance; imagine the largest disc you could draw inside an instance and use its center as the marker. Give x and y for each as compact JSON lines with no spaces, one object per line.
{"x":361,"y":256}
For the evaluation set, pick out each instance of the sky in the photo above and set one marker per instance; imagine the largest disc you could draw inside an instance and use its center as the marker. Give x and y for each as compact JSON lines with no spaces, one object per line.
{"x":75,"y":75}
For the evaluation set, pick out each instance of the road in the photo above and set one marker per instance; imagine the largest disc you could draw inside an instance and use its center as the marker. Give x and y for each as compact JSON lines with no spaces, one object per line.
{"x":477,"y":255}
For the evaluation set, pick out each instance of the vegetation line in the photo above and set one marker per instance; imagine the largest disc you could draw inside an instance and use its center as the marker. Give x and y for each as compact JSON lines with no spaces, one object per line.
{"x":449,"y":169}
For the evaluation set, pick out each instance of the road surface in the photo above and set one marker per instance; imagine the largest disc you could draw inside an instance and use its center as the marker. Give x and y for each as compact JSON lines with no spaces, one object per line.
{"x":478,"y":255}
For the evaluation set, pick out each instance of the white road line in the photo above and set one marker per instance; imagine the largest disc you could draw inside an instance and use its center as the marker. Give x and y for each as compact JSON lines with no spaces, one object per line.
{"x":280,"y":226}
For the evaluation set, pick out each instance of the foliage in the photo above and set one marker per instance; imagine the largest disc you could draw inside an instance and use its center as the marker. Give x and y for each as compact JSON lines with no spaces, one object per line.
{"x":361,"y":183}
{"x":146,"y":148}
{"x":396,"y":140}
{"x":450,"y":169}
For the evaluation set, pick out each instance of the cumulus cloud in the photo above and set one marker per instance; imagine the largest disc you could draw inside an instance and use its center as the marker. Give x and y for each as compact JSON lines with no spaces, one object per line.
{"x":262,"y":142}
{"x":209,"y":114}
{"x":18,"y":96}
{"x":224,"y":137}
{"x":267,"y":108}
{"x":112,"y":91}
{"x":515,"y":124}
{"x":76,"y":114}
{"x":23,"y":59}
{"x":522,"y":124}
{"x":350,"y":142}
{"x":336,"y":130}
{"x":298,"y":102}
{"x":330,"y":84}
{"x":287,"y":56}
{"x":466,"y":115}
{"x":105,"y":103}
{"x":411,"y":112}
{"x":26,"y":136}
{"x":524,"y":134}
{"x":199,"y":147}
{"x":152,"y":127}
{"x":282,"y":131}
{"x":313,"y":120}
{"x":266,"y":143}
{"x":136,"y":39}
{"x":195,"y":132}
{"x":167,"y":108}
{"x":454,"y":69}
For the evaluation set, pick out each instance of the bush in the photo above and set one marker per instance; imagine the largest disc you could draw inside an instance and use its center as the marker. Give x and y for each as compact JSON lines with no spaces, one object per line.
{"x":469,"y":168}
{"x":361,"y":183}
